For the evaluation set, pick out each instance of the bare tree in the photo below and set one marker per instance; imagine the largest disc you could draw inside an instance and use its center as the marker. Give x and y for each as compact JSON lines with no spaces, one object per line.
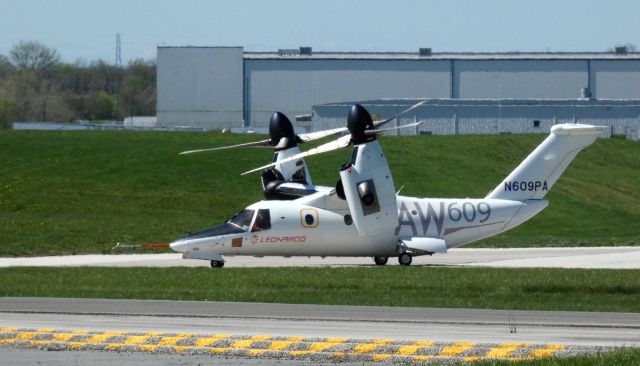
{"x":6,"y":68}
{"x":35,"y":56}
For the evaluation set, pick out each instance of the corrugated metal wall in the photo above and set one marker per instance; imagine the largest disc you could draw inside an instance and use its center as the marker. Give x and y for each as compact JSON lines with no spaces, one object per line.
{"x":293,"y":86}
{"x":519,"y":79}
{"x":492,"y":117}
{"x":615,"y":79}
{"x":200,"y":87}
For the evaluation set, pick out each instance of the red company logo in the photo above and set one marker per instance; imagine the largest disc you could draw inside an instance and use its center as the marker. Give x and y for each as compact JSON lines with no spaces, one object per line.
{"x":277,"y":239}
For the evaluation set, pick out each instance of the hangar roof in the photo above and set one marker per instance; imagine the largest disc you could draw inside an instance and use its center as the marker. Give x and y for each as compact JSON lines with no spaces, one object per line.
{"x":295,"y":54}
{"x":443,"y":56}
{"x":485,"y":102}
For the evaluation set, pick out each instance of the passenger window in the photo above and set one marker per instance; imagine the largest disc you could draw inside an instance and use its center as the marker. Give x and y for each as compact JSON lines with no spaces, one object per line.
{"x":262,"y":222}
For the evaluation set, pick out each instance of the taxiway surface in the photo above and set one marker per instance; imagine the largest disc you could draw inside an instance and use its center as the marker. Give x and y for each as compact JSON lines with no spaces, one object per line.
{"x":574,"y":257}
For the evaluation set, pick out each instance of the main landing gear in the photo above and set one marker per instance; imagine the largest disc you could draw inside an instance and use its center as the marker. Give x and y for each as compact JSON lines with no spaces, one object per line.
{"x":380,"y":261}
{"x":217,"y":264}
{"x":405,"y":259}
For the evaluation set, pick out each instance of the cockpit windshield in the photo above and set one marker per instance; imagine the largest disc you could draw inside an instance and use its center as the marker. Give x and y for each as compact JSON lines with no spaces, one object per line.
{"x":242,"y":219}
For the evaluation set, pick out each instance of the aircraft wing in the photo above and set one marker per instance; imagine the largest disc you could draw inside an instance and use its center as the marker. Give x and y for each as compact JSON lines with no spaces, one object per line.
{"x":424,"y":244}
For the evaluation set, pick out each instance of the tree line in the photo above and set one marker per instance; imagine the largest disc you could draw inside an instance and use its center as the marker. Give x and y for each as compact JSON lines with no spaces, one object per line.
{"x":36,"y":86}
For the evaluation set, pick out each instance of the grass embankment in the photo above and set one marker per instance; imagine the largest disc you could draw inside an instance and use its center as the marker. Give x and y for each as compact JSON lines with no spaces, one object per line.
{"x":83,"y":191}
{"x":486,"y":288}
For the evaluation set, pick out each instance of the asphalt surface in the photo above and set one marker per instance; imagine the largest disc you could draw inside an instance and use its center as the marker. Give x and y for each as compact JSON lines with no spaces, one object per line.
{"x":446,"y":325}
{"x":577,"y":257}
{"x":145,"y":332}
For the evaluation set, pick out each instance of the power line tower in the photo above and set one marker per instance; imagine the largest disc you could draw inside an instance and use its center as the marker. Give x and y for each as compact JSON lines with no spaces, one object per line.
{"x":118,"y":51}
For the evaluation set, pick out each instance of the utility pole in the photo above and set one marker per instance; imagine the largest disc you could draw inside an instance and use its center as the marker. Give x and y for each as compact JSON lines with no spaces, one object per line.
{"x":118,"y":51}
{"x":118,"y":65}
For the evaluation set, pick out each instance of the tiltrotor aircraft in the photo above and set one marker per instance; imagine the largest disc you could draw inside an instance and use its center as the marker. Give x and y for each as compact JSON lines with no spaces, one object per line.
{"x":364,"y":216}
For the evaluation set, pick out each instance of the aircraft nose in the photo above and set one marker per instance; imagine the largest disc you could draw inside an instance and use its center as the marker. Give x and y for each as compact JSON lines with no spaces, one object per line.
{"x":179,"y":246}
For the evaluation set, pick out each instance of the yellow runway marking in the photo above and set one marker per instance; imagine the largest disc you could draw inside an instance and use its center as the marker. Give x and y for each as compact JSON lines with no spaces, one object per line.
{"x":505,"y":350}
{"x":208,"y":341}
{"x":101,"y":338}
{"x":265,"y":346}
{"x":62,"y":337}
{"x":321,"y":346}
{"x":280,"y":345}
{"x":25,"y":336}
{"x":170,"y":341}
{"x":256,"y":352}
{"x":545,"y":352}
{"x":242,"y":344}
{"x":411,"y":349}
{"x":148,"y":347}
{"x":456,"y":349}
{"x":261,"y":337}
{"x":381,"y":357}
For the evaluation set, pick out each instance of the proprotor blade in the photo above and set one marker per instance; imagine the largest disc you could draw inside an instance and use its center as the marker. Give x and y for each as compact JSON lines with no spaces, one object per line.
{"x":383,"y":122}
{"x":261,"y":143}
{"x":329,"y":146}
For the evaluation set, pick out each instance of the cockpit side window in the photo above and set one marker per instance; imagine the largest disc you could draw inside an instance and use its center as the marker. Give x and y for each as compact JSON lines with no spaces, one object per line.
{"x":242,"y":219}
{"x":263,"y":221}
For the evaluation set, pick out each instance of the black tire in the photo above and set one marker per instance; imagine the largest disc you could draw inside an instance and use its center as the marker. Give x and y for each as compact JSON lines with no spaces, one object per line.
{"x":217,"y":264}
{"x":405,"y":259}
{"x":380,"y":261}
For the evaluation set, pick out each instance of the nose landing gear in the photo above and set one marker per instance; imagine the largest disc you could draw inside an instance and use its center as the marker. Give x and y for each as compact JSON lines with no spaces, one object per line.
{"x":380,"y":261}
{"x":217,"y":264}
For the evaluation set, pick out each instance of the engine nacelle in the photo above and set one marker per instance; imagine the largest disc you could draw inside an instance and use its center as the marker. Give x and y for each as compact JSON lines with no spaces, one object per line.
{"x":369,"y":191}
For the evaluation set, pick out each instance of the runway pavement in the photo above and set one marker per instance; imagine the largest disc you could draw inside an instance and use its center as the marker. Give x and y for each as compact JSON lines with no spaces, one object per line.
{"x":183,"y":332}
{"x":575,"y":257}
{"x":306,"y":332}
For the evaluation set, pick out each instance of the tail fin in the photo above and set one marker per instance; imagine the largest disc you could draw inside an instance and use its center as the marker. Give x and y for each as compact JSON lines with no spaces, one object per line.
{"x":533,"y":178}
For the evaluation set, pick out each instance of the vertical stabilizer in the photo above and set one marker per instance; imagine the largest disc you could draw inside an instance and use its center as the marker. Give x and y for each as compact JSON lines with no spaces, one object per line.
{"x":535,"y":176}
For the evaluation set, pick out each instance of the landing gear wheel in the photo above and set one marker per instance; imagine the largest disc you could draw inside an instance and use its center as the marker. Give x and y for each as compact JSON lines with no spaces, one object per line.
{"x":380,"y":261}
{"x":405,"y":259}
{"x":217,"y":264}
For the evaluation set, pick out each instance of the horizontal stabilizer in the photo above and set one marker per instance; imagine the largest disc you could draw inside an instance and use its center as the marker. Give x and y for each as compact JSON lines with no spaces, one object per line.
{"x":425,"y":245}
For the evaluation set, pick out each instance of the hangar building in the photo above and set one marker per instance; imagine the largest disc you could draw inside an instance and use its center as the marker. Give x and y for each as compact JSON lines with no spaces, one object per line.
{"x":217,"y":87}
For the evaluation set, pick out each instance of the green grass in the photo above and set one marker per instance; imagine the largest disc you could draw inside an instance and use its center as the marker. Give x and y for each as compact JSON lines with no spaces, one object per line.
{"x":619,"y":357}
{"x":83,"y":191}
{"x":484,"y":288}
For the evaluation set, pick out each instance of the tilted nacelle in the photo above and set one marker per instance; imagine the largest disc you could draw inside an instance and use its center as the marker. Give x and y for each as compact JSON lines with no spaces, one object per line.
{"x":369,"y":191}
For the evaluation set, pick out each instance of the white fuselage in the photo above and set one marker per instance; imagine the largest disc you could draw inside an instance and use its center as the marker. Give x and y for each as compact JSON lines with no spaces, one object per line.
{"x":457,"y":221}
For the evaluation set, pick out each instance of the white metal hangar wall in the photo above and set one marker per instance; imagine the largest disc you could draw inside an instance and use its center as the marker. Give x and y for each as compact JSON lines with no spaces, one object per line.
{"x":217,"y":87}
{"x":492,"y":116}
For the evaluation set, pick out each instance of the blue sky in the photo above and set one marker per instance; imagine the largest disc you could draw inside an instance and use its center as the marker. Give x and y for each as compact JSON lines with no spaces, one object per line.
{"x":87,"y":29}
